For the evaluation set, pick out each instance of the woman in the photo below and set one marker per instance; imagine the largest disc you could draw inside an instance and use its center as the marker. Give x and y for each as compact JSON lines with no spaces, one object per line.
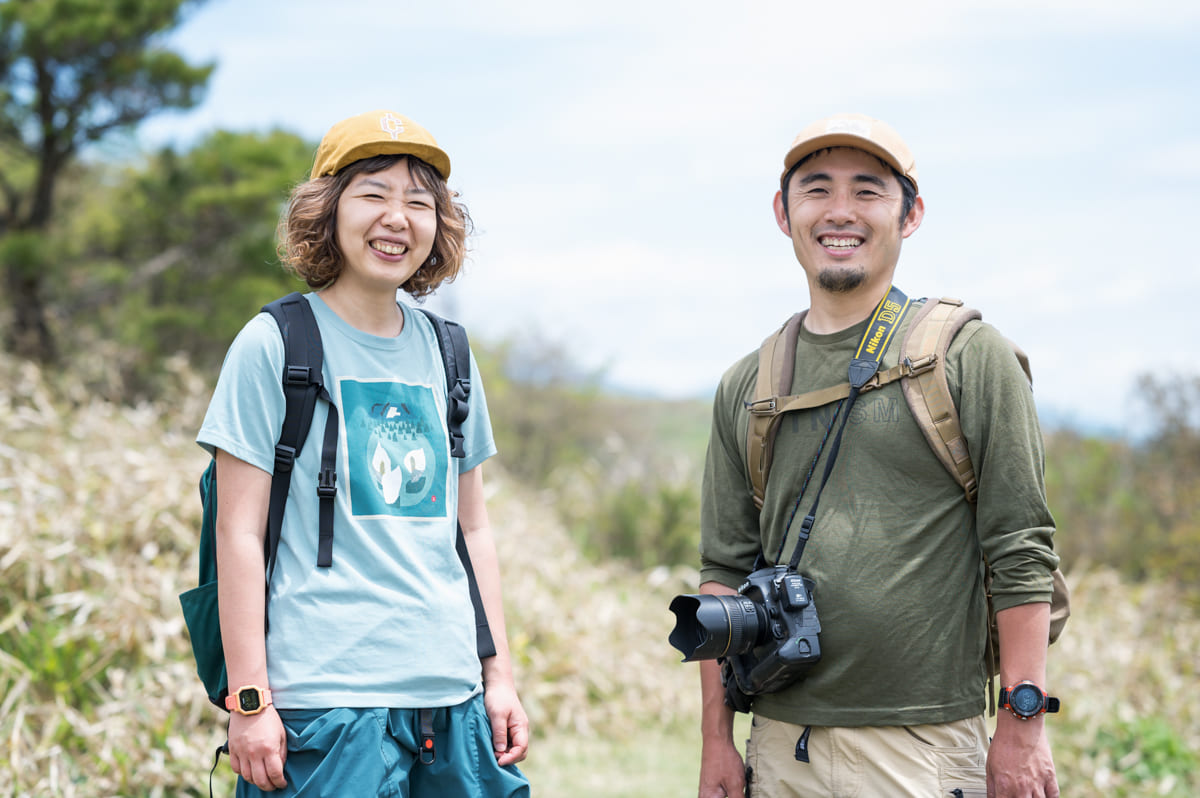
{"x":336,"y":698}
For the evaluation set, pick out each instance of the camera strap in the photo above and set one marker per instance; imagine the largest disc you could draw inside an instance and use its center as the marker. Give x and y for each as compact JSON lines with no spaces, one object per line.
{"x":886,"y":319}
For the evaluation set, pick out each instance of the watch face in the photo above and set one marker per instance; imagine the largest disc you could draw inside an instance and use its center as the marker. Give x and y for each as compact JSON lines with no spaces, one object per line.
{"x":248,"y":700}
{"x":1026,"y":699}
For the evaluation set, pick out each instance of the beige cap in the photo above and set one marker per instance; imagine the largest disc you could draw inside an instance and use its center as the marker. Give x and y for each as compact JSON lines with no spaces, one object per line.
{"x":858,"y":131}
{"x":377,"y":133}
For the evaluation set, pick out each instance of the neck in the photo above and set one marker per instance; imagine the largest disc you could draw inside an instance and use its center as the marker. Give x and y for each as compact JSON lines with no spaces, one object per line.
{"x":374,"y":313}
{"x":834,"y":312}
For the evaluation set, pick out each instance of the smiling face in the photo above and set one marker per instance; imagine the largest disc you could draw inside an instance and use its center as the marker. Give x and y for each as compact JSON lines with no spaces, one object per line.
{"x":843,"y":216}
{"x":386,"y":224}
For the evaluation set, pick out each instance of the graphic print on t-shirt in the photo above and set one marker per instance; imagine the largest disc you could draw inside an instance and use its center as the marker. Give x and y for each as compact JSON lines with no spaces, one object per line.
{"x":396,"y":450}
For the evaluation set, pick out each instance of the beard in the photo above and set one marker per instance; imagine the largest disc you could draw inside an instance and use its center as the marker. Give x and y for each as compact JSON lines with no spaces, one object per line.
{"x":842,"y":281}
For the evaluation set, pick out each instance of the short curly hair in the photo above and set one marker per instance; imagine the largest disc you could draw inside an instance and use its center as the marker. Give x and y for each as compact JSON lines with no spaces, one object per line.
{"x":308,"y":229}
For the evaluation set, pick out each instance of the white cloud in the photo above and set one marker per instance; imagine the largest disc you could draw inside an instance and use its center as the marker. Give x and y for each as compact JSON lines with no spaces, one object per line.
{"x":1176,"y":161}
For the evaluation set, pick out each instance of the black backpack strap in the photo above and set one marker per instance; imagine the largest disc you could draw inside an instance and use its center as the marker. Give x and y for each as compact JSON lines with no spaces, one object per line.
{"x":456,"y":357}
{"x":484,"y":643}
{"x":327,"y":487}
{"x":302,"y":386}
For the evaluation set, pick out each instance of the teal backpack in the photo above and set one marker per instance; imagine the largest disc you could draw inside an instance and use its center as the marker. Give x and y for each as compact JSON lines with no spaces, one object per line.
{"x":302,"y":387}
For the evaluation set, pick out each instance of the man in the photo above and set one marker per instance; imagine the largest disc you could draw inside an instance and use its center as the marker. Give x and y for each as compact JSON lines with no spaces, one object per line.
{"x":896,"y":704}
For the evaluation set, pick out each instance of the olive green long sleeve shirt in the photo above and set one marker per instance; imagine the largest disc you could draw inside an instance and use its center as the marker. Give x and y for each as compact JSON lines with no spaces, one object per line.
{"x":895,"y":550}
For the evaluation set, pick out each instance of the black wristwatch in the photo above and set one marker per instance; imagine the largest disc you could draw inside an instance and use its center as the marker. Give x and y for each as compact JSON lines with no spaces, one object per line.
{"x":1026,"y":700}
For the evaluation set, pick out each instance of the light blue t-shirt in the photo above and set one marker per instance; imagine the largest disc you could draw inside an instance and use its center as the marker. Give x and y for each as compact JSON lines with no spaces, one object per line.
{"x":390,"y":624}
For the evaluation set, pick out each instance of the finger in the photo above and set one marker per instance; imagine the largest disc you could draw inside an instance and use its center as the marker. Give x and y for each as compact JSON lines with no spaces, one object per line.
{"x":276,"y":761}
{"x":275,"y":773}
{"x":248,"y":774}
{"x":518,"y":742}
{"x":500,"y":735}
{"x":258,"y":776}
{"x":511,"y":757}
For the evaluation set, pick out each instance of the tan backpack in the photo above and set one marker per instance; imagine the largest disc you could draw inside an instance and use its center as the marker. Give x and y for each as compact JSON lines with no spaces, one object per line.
{"x":922,"y":375}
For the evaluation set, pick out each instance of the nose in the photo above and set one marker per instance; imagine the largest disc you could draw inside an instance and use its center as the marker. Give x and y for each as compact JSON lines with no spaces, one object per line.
{"x":840,"y":209}
{"x":395,"y":216}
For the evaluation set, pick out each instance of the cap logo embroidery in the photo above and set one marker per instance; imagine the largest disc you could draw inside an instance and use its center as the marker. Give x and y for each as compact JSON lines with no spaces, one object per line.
{"x":854,"y":127}
{"x":391,"y":125}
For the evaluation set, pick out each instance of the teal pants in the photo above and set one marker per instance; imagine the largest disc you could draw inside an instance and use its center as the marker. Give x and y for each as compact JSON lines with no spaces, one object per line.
{"x":377,"y":752}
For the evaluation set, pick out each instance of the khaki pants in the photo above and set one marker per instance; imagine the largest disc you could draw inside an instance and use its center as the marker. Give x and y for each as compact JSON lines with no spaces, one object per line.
{"x":930,"y":761}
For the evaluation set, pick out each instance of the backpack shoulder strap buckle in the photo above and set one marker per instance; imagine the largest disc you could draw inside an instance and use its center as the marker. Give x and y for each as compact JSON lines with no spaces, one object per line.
{"x":761,"y":407}
{"x":284,"y":457}
{"x":327,"y":483}
{"x":920,"y":365}
{"x":297,"y":375}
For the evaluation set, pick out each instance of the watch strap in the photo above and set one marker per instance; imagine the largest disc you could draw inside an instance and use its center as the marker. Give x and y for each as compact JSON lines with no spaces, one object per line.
{"x":1049,"y":702}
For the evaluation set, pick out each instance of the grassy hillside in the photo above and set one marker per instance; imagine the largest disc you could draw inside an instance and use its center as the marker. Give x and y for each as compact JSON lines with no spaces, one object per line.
{"x":98,"y":520}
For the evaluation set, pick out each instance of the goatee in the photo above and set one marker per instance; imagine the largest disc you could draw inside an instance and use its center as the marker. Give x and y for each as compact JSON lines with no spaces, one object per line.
{"x":841,"y":281}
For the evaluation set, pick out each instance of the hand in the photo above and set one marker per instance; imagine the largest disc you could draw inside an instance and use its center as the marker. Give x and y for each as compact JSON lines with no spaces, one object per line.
{"x":722,"y":771}
{"x":1019,"y":764}
{"x":258,"y":748}
{"x":510,"y":726}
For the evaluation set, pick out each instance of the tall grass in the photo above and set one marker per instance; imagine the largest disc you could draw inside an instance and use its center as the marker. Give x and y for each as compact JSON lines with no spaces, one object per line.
{"x":98,"y":697}
{"x":97,"y":523}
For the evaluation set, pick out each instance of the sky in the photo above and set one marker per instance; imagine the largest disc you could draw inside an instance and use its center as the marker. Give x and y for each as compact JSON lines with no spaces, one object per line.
{"x":619,"y":160}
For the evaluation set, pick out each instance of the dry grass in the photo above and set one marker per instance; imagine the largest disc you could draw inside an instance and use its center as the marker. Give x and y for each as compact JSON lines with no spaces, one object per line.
{"x":98,"y":522}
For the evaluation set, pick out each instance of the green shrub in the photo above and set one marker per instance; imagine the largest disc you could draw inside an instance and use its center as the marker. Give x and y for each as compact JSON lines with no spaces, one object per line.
{"x":1147,"y":751}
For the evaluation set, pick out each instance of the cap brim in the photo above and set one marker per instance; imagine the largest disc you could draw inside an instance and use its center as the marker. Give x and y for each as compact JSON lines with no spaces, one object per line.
{"x":431,"y":155}
{"x":806,"y":148}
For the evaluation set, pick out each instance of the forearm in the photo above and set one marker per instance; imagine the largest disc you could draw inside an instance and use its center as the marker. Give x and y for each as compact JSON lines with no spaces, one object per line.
{"x":484,"y":561}
{"x":1024,"y":634}
{"x":481,"y":546}
{"x":1019,"y":759}
{"x":716,"y":717}
{"x":243,"y":496}
{"x":510,"y":725}
{"x":722,"y":771}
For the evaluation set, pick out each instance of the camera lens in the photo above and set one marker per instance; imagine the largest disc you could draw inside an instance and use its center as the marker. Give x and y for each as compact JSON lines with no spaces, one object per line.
{"x":707,"y":626}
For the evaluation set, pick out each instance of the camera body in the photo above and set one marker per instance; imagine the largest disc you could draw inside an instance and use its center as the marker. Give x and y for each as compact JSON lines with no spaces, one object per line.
{"x":766,"y":637}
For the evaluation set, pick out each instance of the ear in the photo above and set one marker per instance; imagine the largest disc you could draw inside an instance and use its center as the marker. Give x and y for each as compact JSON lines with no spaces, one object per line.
{"x":781,"y":218}
{"x":915,"y":215}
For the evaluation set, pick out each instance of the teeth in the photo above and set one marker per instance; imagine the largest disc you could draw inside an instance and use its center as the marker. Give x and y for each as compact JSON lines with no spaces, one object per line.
{"x":389,"y":249}
{"x":840,"y":243}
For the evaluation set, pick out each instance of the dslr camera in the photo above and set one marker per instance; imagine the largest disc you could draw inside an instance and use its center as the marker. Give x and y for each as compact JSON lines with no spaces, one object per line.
{"x":765,"y":637}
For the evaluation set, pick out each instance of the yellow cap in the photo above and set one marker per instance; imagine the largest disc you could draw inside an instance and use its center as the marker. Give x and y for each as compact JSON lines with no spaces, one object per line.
{"x":858,"y":131}
{"x":377,"y":133}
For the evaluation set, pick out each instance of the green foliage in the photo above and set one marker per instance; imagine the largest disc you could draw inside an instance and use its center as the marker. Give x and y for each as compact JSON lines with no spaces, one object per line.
{"x":24,"y":252}
{"x":62,"y":663}
{"x":1147,"y":750}
{"x":623,"y":472}
{"x":179,"y":252}
{"x":74,"y":70}
{"x":71,"y":72}
{"x":549,"y":411}
{"x":1134,"y":507}
{"x":646,"y":525}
